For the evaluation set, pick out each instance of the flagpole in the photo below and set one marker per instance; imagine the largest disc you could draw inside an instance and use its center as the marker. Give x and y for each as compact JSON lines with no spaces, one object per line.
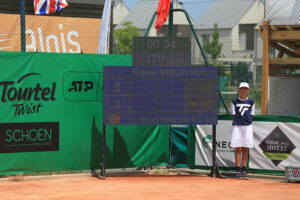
{"x":23,"y":33}
{"x":111,"y":28}
{"x":171,"y":19}
{"x":103,"y":42}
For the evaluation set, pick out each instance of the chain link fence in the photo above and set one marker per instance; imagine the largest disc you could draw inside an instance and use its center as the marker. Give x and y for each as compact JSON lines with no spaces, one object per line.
{"x":231,"y":33}
{"x":74,"y":29}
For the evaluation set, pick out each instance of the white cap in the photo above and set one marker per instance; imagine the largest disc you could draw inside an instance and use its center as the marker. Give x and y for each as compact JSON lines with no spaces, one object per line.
{"x":244,"y":84}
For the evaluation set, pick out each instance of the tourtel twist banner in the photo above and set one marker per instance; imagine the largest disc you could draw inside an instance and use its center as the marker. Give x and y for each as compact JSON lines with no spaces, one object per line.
{"x":50,"y":104}
{"x":275,"y":144}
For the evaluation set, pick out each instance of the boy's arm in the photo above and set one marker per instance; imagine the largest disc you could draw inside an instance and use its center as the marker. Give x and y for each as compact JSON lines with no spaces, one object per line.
{"x":252,"y":110}
{"x":232,"y":110}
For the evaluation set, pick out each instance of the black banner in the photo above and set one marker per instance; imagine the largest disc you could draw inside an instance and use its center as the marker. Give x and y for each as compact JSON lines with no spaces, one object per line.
{"x":29,"y":137}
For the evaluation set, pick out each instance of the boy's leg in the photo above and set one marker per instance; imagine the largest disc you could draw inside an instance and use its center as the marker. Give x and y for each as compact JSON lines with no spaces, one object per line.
{"x":245,"y":156}
{"x":238,"y":156}
{"x":244,"y":161}
{"x":247,"y":143}
{"x":238,"y":152}
{"x":236,"y":142}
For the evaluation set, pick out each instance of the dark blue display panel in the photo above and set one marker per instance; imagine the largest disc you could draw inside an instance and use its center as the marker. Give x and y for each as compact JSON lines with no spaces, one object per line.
{"x":142,"y":95}
{"x":161,"y":51}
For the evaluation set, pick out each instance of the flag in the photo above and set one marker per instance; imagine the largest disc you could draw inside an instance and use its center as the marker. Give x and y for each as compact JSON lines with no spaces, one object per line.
{"x":162,"y":13}
{"x":103,"y":42}
{"x":42,"y":7}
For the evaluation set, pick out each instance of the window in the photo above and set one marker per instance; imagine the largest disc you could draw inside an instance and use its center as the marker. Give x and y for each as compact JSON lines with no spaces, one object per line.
{"x":205,"y":38}
{"x":246,"y":35}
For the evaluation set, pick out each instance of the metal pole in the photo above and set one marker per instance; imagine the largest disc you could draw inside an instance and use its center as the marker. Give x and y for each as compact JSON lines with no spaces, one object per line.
{"x":170,"y":147}
{"x":214,"y":144}
{"x":223,"y":102}
{"x":194,"y":33}
{"x":171,"y":20}
{"x":103,"y":153}
{"x":215,"y":170}
{"x":150,"y":24}
{"x":23,"y":33}
{"x":170,"y":35}
{"x":111,"y":34}
{"x":201,"y":49}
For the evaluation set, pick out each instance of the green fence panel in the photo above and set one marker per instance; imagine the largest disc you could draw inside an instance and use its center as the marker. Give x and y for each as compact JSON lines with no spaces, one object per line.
{"x":137,"y":146}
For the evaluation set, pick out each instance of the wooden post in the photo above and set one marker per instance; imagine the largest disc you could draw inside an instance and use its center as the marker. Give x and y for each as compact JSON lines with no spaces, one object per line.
{"x":265,"y":68}
{"x":265,"y":10}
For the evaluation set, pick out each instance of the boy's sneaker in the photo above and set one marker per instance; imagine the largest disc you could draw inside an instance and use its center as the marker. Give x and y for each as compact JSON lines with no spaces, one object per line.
{"x":244,"y":175}
{"x":239,"y":175}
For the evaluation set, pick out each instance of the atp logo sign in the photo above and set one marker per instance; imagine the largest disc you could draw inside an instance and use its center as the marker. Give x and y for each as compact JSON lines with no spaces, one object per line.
{"x":82,"y":86}
{"x":243,"y":108}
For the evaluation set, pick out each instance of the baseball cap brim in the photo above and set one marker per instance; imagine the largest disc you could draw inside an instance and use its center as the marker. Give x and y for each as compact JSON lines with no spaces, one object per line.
{"x":244,"y":84}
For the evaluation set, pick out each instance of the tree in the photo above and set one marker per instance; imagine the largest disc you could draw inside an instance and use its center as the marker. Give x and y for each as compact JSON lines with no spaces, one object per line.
{"x":214,"y":47}
{"x":123,"y":38}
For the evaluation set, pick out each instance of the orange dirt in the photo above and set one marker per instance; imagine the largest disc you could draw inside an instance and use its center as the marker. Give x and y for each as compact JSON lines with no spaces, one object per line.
{"x":146,"y":188}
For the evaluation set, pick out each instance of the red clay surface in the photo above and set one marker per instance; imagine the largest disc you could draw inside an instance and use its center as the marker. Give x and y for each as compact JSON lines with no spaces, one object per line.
{"x":146,"y":188}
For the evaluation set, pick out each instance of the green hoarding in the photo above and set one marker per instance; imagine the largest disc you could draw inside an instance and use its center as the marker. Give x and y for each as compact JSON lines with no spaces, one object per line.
{"x":51,"y":116}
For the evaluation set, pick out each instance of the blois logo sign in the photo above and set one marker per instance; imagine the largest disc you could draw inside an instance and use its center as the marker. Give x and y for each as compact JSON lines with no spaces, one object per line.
{"x":26,"y":98}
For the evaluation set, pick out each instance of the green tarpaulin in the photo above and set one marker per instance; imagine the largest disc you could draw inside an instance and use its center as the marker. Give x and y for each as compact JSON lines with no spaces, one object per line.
{"x":179,"y":150}
{"x":51,"y":116}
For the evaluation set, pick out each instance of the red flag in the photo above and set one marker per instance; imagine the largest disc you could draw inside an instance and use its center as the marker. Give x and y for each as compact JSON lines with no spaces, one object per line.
{"x":162,"y":13}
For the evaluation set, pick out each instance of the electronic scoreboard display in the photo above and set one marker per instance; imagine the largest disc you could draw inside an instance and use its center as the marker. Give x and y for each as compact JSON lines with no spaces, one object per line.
{"x":161,"y":51}
{"x":157,"y":95}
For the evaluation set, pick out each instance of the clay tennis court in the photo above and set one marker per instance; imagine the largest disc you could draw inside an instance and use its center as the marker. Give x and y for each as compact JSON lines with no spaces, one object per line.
{"x":81,"y":187}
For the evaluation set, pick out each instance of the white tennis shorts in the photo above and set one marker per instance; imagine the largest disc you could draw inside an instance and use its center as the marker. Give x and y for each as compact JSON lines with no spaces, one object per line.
{"x":242,"y":136}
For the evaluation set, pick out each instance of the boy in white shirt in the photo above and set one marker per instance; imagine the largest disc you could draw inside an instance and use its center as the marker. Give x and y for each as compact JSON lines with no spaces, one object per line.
{"x":243,"y":109}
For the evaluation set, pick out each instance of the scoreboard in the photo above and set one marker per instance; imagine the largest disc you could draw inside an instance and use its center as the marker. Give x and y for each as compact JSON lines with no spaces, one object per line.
{"x":161,"y":51}
{"x":157,"y":95}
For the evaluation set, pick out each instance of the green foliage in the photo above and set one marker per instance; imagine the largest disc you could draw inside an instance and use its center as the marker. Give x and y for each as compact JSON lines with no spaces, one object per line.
{"x":214,"y":47}
{"x":240,"y":72}
{"x":123,"y":38}
{"x":222,"y":71}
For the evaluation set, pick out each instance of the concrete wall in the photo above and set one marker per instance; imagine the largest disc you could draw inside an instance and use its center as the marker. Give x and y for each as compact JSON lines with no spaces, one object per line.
{"x":120,"y":11}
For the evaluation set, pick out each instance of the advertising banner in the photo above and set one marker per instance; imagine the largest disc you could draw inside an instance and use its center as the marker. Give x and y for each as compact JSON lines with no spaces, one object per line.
{"x":51,"y":110}
{"x":275,"y":144}
{"x":203,"y":139}
{"x":50,"y":34}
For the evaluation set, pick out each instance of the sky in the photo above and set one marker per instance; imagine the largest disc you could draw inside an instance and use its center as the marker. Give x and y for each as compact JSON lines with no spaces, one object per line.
{"x":195,"y":8}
